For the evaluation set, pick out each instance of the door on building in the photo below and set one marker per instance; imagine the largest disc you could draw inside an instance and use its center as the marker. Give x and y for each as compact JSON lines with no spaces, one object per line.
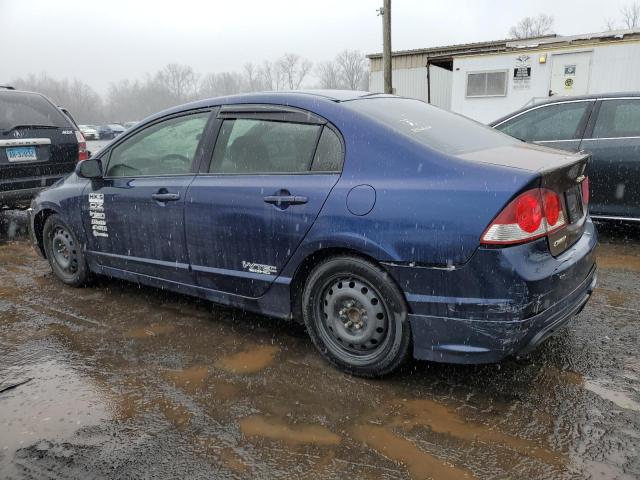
{"x":570,"y":73}
{"x":440,"y":85}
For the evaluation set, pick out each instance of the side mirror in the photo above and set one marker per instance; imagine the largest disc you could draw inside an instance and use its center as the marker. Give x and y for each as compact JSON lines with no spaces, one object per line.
{"x":90,"y":168}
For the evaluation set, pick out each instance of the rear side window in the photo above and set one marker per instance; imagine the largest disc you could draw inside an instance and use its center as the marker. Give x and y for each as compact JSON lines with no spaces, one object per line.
{"x":328,"y":157}
{"x":19,"y":108}
{"x":263,"y":146}
{"x":166,"y":148}
{"x":560,"y":121}
{"x":441,"y":130}
{"x":618,"y":118}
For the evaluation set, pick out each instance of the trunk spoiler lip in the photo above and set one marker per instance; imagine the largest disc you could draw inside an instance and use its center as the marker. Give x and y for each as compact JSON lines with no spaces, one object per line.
{"x":570,"y":159}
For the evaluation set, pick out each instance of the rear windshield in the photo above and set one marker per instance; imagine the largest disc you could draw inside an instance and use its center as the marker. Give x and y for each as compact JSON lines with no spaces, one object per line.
{"x":441,"y":130}
{"x":20,"y":108}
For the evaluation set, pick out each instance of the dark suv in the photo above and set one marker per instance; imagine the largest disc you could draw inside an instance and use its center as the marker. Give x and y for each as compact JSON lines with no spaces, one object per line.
{"x":608,"y":127}
{"x":39,"y":144}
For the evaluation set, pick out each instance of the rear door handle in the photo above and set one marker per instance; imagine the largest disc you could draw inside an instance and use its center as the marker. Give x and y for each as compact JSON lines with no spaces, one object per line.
{"x":165,"y":197}
{"x":285,"y":199}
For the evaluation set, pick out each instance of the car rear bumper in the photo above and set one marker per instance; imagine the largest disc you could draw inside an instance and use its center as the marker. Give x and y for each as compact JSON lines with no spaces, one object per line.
{"x":457,"y":340}
{"x":501,"y":302}
{"x":22,"y":195}
{"x":20,"y":191}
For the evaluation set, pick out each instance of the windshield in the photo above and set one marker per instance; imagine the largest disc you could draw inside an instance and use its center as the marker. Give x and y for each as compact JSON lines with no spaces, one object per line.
{"x":441,"y":130}
{"x":20,"y":108}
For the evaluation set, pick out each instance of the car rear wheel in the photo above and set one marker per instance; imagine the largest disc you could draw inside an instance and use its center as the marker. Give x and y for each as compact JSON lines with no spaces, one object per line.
{"x":356,"y":316}
{"x":64,"y":252}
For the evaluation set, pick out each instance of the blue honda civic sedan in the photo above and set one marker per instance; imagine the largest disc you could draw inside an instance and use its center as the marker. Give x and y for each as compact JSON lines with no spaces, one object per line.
{"x":389,"y":227}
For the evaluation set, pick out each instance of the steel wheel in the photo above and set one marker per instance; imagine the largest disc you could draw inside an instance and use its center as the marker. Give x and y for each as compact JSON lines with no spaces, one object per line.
{"x":64,"y":250}
{"x":356,"y":316}
{"x":355,"y":319}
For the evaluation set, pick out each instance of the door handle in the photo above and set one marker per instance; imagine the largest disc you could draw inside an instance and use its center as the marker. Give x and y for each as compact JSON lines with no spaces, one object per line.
{"x":165,"y":197}
{"x":279,"y":200}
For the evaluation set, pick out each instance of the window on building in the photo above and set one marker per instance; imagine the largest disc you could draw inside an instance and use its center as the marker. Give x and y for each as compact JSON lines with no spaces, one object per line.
{"x":618,"y":118}
{"x":487,"y":84}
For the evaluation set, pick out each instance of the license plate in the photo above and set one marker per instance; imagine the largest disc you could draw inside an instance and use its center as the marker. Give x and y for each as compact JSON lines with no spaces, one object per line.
{"x":574,"y":204}
{"x":22,"y":154}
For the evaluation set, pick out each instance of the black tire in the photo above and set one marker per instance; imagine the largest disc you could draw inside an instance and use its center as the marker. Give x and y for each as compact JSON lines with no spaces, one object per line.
{"x":356,"y":316}
{"x":64,"y":252}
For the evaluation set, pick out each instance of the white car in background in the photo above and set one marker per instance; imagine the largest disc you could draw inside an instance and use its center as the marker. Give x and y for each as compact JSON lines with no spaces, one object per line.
{"x":90,"y":132}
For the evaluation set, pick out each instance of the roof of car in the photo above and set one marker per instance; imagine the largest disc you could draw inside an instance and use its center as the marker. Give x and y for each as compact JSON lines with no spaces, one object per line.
{"x":564,"y":99}
{"x":301,"y":98}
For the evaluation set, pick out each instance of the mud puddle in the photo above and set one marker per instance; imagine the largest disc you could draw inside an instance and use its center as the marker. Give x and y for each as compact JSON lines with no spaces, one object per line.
{"x":54,"y":404}
{"x":261,"y":427}
{"x":249,"y":361}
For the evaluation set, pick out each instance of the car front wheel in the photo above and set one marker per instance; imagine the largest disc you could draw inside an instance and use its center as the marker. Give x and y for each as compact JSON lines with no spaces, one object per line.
{"x":64,"y":252}
{"x":356,"y":316}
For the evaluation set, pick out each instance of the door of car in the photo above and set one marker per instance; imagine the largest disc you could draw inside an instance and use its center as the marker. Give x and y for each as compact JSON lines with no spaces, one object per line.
{"x":134,"y":217}
{"x":249,"y":208}
{"x":557,"y":125}
{"x":613,"y":139}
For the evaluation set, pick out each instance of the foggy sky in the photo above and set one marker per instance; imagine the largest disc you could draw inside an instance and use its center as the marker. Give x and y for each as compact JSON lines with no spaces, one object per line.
{"x":104,"y":41}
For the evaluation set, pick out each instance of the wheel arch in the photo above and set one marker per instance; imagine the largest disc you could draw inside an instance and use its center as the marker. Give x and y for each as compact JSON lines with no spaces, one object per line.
{"x":39,"y":219}
{"x":315,"y":258}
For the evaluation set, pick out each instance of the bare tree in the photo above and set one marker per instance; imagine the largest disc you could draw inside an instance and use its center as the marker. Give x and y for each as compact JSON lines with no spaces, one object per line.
{"x":631,"y":15}
{"x":293,"y":69}
{"x":252,"y":78}
{"x":218,"y":84}
{"x":530,"y":27}
{"x":180,"y":80}
{"x":610,"y":25}
{"x":133,"y":100}
{"x":353,"y":68}
{"x":329,"y":74}
{"x":348,"y":70}
{"x":267,"y":77}
{"x":79,"y":98}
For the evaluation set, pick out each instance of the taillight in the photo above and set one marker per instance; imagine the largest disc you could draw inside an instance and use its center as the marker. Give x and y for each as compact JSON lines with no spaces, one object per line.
{"x":552,"y":208}
{"x":83,"y":154}
{"x":532,"y":214}
{"x":585,"y":191}
{"x":529,"y":212}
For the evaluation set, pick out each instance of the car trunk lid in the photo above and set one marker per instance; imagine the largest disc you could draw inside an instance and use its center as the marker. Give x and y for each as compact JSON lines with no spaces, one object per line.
{"x":559,"y":171}
{"x":568,"y":180}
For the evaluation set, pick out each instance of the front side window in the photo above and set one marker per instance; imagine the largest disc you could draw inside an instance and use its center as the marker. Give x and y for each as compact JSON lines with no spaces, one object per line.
{"x":560,"y":121}
{"x":487,"y":84}
{"x":618,"y":118}
{"x":263,"y":146}
{"x":166,"y":148}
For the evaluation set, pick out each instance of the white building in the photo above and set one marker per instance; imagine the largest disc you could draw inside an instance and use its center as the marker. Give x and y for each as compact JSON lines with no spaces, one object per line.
{"x":490,"y":79}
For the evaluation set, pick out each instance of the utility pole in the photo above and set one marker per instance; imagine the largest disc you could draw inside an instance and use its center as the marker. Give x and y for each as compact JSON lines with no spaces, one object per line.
{"x":386,"y":47}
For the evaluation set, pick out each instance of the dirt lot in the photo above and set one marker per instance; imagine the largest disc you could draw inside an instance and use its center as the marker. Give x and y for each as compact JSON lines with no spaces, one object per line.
{"x":130,"y":382}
